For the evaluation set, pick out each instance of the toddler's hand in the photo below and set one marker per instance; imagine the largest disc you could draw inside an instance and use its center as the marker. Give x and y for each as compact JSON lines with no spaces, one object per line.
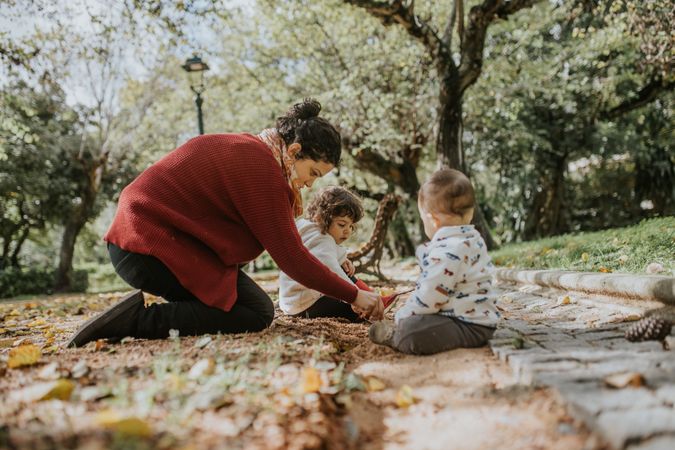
{"x":349,"y":268}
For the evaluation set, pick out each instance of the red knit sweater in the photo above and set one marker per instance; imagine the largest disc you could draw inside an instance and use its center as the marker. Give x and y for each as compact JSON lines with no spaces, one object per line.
{"x":210,"y":205}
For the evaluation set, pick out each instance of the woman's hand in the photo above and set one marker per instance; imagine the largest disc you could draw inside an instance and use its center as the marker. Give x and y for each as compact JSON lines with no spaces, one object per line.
{"x":349,"y":268}
{"x":370,"y":304}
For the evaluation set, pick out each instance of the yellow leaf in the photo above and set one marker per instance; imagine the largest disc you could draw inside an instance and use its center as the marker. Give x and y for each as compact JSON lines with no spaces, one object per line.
{"x":24,"y":355}
{"x":564,"y":300}
{"x":384,"y":291}
{"x":632,"y":317}
{"x":128,"y":426}
{"x":50,"y":349}
{"x":404,"y":397}
{"x":37,"y":322}
{"x":3,"y":330}
{"x":374,"y":384}
{"x":311,"y":380}
{"x":622,"y":380}
{"x":604,"y":269}
{"x":585,"y":257}
{"x":175,"y":382}
{"x":61,"y":390}
{"x":14,"y":312}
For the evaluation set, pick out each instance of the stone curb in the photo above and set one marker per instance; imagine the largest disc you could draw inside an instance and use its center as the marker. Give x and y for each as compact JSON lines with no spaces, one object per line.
{"x":643,"y":287}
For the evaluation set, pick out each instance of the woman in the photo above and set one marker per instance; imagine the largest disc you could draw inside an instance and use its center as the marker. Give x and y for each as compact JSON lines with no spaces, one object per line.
{"x":188,"y":223}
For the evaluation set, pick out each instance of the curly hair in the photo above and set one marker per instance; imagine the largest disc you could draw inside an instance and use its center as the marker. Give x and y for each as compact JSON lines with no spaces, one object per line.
{"x":331,"y":202}
{"x":319,"y":139}
{"x":447,"y":191}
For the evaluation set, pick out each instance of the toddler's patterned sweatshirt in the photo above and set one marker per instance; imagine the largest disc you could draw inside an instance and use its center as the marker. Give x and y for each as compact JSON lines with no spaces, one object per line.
{"x":456,"y":278}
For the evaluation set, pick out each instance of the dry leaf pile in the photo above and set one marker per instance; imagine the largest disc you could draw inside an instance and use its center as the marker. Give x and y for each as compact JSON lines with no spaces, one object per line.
{"x":286,"y":387}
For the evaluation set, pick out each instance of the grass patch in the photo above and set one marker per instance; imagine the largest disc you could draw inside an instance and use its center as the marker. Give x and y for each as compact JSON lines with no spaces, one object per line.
{"x":629,"y":249}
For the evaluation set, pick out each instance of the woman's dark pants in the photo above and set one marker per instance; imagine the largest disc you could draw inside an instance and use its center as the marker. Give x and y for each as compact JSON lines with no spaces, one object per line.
{"x":253,"y":310}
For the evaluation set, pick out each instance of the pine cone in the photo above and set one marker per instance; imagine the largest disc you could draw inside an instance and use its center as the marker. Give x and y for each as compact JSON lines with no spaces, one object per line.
{"x":650,"y":328}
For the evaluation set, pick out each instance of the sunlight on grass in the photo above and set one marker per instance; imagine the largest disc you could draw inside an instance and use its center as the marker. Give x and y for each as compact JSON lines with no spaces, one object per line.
{"x":630,"y":249}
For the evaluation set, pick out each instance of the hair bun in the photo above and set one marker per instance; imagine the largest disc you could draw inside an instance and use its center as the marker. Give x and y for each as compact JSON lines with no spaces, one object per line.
{"x":304,"y":110}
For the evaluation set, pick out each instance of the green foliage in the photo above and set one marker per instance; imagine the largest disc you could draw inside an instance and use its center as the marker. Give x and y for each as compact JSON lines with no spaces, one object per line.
{"x":15,"y":281}
{"x":549,"y":156}
{"x":35,"y":136}
{"x":629,"y":249}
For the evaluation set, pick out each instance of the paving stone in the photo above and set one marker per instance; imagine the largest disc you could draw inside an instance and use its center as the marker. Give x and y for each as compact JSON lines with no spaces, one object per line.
{"x":666,"y":394}
{"x":621,"y":427}
{"x":592,"y":402}
{"x":573,"y":348}
{"x":656,"y":443}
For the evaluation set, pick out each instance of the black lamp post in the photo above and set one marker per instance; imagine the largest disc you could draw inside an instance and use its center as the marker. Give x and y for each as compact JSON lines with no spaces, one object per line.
{"x":195,"y":68}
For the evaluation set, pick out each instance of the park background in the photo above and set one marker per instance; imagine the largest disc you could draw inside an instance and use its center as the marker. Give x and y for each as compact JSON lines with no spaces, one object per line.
{"x":560,"y":111}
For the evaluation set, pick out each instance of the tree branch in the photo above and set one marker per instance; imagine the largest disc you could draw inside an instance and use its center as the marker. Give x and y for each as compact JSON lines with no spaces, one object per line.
{"x":647,"y":94}
{"x":403,"y":13}
{"x":480,"y":18}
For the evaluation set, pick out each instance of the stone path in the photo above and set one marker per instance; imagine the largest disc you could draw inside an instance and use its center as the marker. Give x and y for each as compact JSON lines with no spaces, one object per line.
{"x":574,"y":343}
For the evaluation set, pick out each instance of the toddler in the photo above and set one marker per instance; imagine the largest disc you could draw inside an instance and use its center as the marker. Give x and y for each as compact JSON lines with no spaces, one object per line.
{"x":331,"y":218}
{"x":453,"y":303}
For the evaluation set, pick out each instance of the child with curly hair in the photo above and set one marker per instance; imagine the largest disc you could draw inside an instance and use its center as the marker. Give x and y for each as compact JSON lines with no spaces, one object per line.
{"x":331,"y":219}
{"x":453,"y":303}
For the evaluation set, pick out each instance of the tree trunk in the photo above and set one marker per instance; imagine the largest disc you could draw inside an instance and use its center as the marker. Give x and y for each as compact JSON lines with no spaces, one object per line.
{"x":449,"y":149}
{"x":17,"y":248}
{"x":546,"y":216}
{"x":402,"y":243}
{"x":78,"y":218}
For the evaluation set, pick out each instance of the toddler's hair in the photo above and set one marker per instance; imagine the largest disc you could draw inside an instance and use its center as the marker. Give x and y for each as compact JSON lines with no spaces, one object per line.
{"x":331,"y":202}
{"x":447,"y":191}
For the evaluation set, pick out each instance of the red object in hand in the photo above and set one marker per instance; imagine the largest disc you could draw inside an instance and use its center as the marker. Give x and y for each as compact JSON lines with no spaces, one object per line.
{"x":389,"y":300}
{"x":363,"y":286}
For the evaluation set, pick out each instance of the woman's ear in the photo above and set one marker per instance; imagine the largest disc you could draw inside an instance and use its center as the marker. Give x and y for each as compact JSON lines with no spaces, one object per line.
{"x":294,"y":149}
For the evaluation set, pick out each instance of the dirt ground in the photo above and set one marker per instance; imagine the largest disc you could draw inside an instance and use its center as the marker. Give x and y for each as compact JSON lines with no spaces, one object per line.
{"x":301,"y":384}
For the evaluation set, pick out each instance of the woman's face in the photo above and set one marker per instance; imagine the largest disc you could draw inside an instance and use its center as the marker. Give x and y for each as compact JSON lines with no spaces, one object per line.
{"x":307,"y":170}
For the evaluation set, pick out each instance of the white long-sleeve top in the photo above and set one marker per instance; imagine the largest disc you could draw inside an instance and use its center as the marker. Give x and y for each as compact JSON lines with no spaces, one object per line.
{"x":456,"y":278}
{"x":294,"y":298}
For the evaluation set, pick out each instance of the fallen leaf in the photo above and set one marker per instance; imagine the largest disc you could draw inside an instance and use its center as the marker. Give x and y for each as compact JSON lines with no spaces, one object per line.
{"x":3,"y":330}
{"x":80,"y":369}
{"x":405,"y":397}
{"x":604,"y":269}
{"x":99,"y":345}
{"x":50,"y":372}
{"x":585,"y":257}
{"x":60,"y":391}
{"x":201,"y":368}
{"x":622,"y":380}
{"x":25,"y":355}
{"x":203,"y":341}
{"x":128,"y":426}
{"x":37,"y":323}
{"x":565,"y":300}
{"x":632,"y":317}
{"x":311,"y":380}
{"x":374,"y":384}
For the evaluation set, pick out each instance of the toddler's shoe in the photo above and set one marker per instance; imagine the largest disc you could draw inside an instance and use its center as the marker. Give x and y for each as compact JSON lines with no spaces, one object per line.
{"x":382,"y":332}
